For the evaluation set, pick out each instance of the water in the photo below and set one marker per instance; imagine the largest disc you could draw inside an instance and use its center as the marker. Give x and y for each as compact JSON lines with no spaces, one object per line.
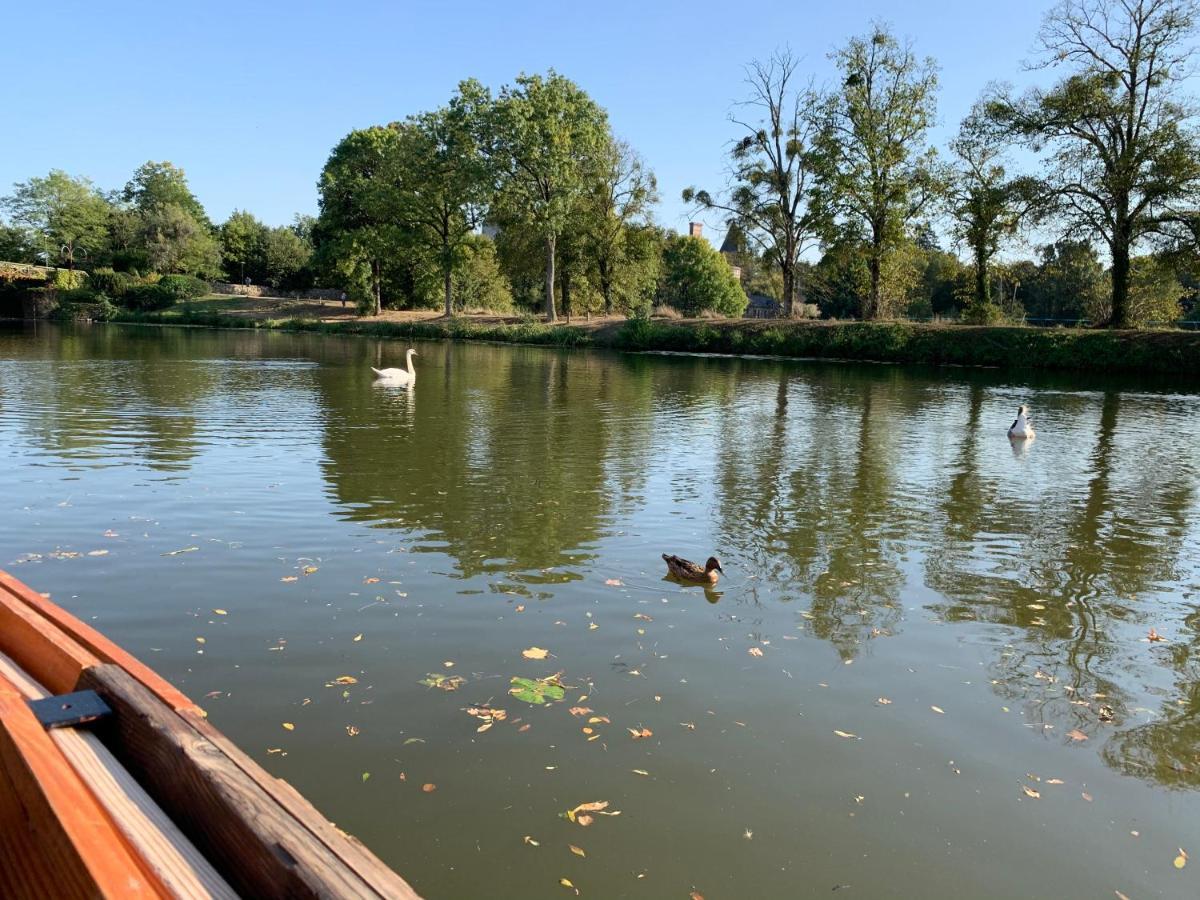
{"x":883,"y":542}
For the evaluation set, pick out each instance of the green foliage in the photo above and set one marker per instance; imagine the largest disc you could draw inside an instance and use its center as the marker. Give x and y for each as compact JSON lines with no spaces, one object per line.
{"x":477,"y":280}
{"x":67,"y":280}
{"x":175,"y":241}
{"x":67,"y":216}
{"x":147,"y":298}
{"x":695,"y":278}
{"x":156,"y":186}
{"x":182,"y":287}
{"x":537,"y":690}
{"x":1154,"y":293}
{"x":242,"y":237}
{"x":1122,"y":154}
{"x":110,"y":283}
{"x":285,"y":256}
{"x":875,"y":174}
{"x":770,"y":194}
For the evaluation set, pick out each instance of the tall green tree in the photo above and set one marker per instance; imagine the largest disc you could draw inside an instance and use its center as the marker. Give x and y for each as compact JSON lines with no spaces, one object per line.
{"x":772,"y":168}
{"x":284,"y":256}
{"x":441,"y":181}
{"x":876,"y":171}
{"x":546,"y":139}
{"x":1122,"y":151}
{"x":620,"y":202}
{"x":986,"y":204}
{"x":157,"y":185}
{"x":68,"y":215}
{"x":242,"y":238}
{"x":357,"y":225}
{"x":695,"y":278}
{"x":174,"y":241}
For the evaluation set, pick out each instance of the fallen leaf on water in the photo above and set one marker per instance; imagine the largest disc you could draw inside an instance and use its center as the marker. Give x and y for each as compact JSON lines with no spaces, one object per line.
{"x":184,"y":550}
{"x":578,"y":851}
{"x":525,"y":727}
{"x":371,"y":580}
{"x":593,"y":806}
{"x":531,"y":842}
{"x":408,"y":741}
{"x":1154,"y":636}
{"x":351,"y":730}
{"x":695,"y":895}
{"x":1030,"y":792}
{"x":1181,"y":859}
{"x":1086,"y":796}
{"x":639,"y":771}
{"x":1055,"y":781}
{"x":883,"y":701}
{"x":308,"y":570}
{"x":366,"y":775}
{"x":357,"y":638}
{"x":97,"y":553}
{"x":429,"y":788}
{"x":1076,"y":735}
{"x":755,"y":651}
{"x":535,"y":653}
{"x":599,"y":720}
{"x":289,"y":726}
{"x":220,"y":612}
{"x":639,"y":733}
{"x":566,"y":882}
{"x":613,"y":582}
{"x":449,"y":664}
{"x":201,"y":640}
{"x":643,"y":617}
{"x":484,"y":727}
{"x":443,"y":682}
{"x":289,"y":578}
{"x":1120,"y":896}
{"x":537,"y":690}
{"x":584,"y":819}
{"x":938,"y":710}
{"x":342,"y":679}
{"x":845,"y":734}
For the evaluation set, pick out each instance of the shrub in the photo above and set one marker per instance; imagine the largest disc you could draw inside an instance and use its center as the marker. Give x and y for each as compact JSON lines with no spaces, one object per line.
{"x":982,"y":314}
{"x":69,"y":279}
{"x":696,"y":277}
{"x":147,"y":298}
{"x":662,"y":311}
{"x":182,"y":287}
{"x":111,"y":283}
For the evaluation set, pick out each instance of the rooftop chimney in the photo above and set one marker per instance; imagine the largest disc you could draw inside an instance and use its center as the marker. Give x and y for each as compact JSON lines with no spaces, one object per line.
{"x":694,"y":229}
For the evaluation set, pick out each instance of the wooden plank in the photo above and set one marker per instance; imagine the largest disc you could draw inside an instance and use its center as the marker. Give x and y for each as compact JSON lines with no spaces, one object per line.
{"x":100,"y":646}
{"x":175,"y":861}
{"x":345,"y":846}
{"x":83,"y":853}
{"x":39,"y":647}
{"x":257,"y":845}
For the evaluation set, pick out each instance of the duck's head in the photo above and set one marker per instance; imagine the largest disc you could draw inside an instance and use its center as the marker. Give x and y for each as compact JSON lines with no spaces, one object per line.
{"x":713,"y":563}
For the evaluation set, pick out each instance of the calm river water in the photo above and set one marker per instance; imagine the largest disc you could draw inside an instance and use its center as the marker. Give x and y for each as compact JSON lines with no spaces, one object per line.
{"x":902,"y":688}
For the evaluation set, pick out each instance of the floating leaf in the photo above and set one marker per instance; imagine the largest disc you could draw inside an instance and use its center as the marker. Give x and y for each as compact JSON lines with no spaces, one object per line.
{"x":1030,"y":792}
{"x":429,"y":788}
{"x":357,"y":638}
{"x":566,"y":882}
{"x":308,"y":570}
{"x":1154,"y":636}
{"x":172,"y":552}
{"x":846,"y":734}
{"x":220,"y":612}
{"x":201,"y":640}
{"x":366,"y":775}
{"x":289,"y":578}
{"x":580,"y":710}
{"x":593,"y":806}
{"x":531,"y":842}
{"x":938,"y":710}
{"x":537,"y":690}
{"x":613,"y":582}
{"x":289,"y":726}
{"x":342,"y":679}
{"x":639,"y":733}
{"x":584,"y":819}
{"x":639,"y":772}
{"x":371,"y":580}
{"x":1076,"y":735}
{"x":1055,"y":781}
{"x":578,"y":851}
{"x":535,"y":653}
{"x":1181,"y":859}
{"x":443,"y":682}
{"x":352,"y":730}
{"x":755,"y":651}
{"x":883,"y":701}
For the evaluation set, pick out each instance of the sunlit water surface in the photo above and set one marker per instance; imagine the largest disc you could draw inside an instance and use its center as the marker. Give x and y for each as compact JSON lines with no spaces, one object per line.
{"x":941,"y":616}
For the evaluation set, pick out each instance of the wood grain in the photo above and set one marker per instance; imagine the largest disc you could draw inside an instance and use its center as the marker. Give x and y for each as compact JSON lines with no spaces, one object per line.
{"x":256,"y":844}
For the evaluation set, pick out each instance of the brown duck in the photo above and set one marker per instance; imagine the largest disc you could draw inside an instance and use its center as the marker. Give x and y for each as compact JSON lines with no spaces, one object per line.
{"x":686,"y":570}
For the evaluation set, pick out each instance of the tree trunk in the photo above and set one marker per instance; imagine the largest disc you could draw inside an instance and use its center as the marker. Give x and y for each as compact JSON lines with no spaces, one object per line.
{"x":871,"y":310}
{"x":566,"y":292}
{"x":376,"y":288}
{"x":550,"y":278}
{"x":789,"y":291}
{"x":1120,"y":281}
{"x":605,"y":285}
{"x":449,"y":292}
{"x":983,"y":287}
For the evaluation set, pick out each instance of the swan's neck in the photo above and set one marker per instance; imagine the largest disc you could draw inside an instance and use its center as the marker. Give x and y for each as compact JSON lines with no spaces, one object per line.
{"x":409,"y":356}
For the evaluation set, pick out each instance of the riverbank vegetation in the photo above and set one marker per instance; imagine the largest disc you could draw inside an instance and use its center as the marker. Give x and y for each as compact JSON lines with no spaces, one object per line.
{"x":523,"y":200}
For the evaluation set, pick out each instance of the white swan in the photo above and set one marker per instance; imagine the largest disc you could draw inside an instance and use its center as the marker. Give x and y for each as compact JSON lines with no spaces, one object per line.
{"x":1021,"y":427}
{"x":398,"y":376}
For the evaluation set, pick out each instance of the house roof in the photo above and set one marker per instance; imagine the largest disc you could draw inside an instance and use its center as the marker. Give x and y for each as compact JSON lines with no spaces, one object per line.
{"x":735,"y":241}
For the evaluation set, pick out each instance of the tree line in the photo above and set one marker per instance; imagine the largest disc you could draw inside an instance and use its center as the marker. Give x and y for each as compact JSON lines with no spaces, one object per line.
{"x":834,"y":197}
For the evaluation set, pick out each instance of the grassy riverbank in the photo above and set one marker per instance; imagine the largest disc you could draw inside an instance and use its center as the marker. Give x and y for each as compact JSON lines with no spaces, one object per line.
{"x":1162,"y":352}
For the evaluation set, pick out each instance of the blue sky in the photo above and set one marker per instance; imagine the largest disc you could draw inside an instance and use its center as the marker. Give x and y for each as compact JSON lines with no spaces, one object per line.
{"x":249,"y":97}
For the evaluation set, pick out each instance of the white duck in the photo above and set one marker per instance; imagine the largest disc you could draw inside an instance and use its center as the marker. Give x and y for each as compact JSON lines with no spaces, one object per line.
{"x":1021,"y":427}
{"x":398,"y":376}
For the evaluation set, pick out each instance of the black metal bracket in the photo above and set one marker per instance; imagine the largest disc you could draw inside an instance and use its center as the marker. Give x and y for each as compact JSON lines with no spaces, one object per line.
{"x":69,"y":709}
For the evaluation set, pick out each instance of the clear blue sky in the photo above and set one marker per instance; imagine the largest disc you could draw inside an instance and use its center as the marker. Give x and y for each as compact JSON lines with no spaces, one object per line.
{"x":250,"y":97}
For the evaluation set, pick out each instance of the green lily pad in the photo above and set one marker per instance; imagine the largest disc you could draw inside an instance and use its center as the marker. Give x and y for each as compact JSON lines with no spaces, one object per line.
{"x":537,"y":690}
{"x":443,"y":682}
